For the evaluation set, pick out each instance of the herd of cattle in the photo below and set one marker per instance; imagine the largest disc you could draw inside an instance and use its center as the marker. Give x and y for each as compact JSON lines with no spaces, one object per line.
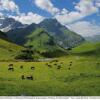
{"x":29,"y":77}
{"x":57,"y":64}
{"x":49,"y":65}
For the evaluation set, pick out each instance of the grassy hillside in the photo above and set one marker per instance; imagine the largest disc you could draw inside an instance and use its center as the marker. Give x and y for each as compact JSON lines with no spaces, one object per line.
{"x":61,"y":34}
{"x":42,"y":42}
{"x":8,"y":50}
{"x":76,"y":74}
{"x":79,"y":78}
{"x":88,"y":48}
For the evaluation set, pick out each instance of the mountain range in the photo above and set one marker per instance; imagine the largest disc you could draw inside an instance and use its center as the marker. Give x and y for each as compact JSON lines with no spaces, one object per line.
{"x":7,"y":24}
{"x":40,"y":42}
{"x":94,"y":38}
{"x":48,"y":38}
{"x":62,"y":35}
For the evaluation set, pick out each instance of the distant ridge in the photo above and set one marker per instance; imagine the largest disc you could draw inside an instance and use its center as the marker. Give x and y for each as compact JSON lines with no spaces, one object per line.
{"x":7,"y":24}
{"x":62,"y":35}
{"x":94,"y":38}
{"x":8,"y":50}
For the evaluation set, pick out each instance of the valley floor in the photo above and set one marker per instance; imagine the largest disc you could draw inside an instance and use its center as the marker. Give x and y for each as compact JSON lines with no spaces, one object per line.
{"x":66,"y":76}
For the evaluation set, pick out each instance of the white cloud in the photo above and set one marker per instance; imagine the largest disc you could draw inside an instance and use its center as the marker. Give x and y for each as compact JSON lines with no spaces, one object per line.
{"x":86,"y":6}
{"x":83,"y":9}
{"x":47,"y":5}
{"x":97,"y":3}
{"x":1,"y":14}
{"x":63,"y":11}
{"x":85,"y":28}
{"x":28,"y":18}
{"x":68,"y":17}
{"x":8,"y":5}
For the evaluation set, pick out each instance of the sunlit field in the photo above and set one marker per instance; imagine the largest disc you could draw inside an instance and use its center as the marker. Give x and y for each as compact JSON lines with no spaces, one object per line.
{"x":63,"y":76}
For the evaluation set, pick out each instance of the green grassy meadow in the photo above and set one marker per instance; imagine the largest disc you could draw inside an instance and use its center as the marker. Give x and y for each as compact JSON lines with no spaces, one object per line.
{"x":81,"y":78}
{"x":8,"y":50}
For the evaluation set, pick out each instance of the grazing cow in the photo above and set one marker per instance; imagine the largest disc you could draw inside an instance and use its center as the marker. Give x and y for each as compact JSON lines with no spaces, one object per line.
{"x":49,"y":66}
{"x":83,"y":74}
{"x":10,"y":65}
{"x":70,"y":65}
{"x":55,"y":64}
{"x":51,"y":61}
{"x":21,"y":66}
{"x":10,"y":50}
{"x":59,"y":67}
{"x":69,"y":68}
{"x":29,"y":77}
{"x":11,"y":69}
{"x":56,"y":61}
{"x":22,"y":77}
{"x":61,"y":62}
{"x":32,"y":68}
{"x":98,"y":63}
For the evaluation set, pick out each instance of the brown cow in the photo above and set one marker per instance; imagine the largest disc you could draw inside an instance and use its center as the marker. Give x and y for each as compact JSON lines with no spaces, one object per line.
{"x":11,"y":69}
{"x":29,"y":77}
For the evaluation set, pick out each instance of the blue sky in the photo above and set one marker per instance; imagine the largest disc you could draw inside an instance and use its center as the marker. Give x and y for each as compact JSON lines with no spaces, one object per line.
{"x":72,"y":13}
{"x":27,"y":6}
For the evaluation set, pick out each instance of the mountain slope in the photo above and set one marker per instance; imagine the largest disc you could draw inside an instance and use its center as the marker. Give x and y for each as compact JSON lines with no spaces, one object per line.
{"x":43,"y":43}
{"x":8,"y":50}
{"x":19,"y":35}
{"x":3,"y":35}
{"x":88,"y":49}
{"x":95,"y":38}
{"x":62,"y":35}
{"x":7,"y":24}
